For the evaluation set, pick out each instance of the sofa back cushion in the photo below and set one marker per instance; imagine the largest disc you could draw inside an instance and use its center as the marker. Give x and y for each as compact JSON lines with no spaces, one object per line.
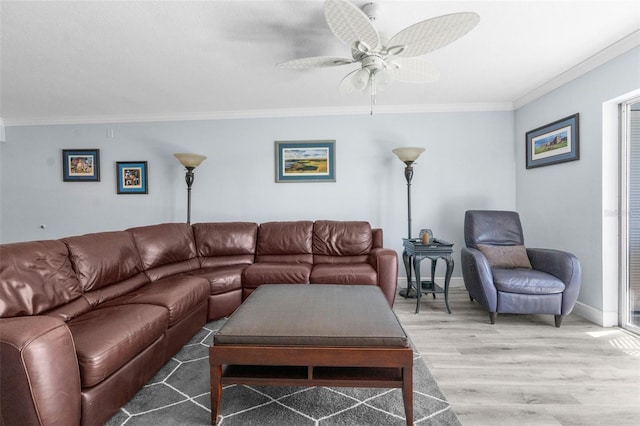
{"x":285,"y":242}
{"x":104,"y":258}
{"x":35,"y":277}
{"x":341,"y":241}
{"x":225,"y":243}
{"x":165,"y":249}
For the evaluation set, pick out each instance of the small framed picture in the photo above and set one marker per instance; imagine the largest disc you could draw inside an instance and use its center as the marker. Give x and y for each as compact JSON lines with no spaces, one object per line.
{"x":81,"y":165}
{"x":554,"y":143}
{"x":131,"y":177}
{"x":306,"y":161}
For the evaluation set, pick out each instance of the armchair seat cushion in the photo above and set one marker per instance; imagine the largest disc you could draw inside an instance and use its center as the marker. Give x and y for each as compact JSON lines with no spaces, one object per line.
{"x":348,"y":273}
{"x":526,"y":281}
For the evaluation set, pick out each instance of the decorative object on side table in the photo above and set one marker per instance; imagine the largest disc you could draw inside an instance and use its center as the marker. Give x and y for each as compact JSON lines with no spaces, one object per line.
{"x":426,"y":236}
{"x":81,"y":165}
{"x":554,"y":143}
{"x":408,"y":156}
{"x":190,"y":162}
{"x":131,"y":177}
{"x":414,"y":253}
{"x":306,"y":161}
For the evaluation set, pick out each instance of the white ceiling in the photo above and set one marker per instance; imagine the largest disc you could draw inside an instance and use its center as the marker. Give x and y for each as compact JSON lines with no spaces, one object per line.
{"x":101,"y":61}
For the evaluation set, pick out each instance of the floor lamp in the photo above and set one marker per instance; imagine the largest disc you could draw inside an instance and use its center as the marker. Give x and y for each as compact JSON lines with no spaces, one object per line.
{"x":190,"y":162}
{"x":408,"y":156}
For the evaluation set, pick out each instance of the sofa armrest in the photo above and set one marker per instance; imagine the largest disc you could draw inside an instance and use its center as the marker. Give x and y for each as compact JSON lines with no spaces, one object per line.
{"x":385,"y":262}
{"x":39,"y":375}
{"x":563,"y":265}
{"x":478,"y":278}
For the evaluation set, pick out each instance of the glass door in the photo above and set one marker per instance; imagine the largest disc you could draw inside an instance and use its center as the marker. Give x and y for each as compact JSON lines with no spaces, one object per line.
{"x":630,"y":186}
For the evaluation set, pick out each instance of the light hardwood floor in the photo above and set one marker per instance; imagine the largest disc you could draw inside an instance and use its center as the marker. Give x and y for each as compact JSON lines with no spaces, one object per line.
{"x":523,"y":370}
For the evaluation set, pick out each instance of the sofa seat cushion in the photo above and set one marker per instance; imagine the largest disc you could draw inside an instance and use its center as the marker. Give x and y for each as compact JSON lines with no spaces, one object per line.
{"x":108,"y":338}
{"x":179,"y":294}
{"x":223,"y":279}
{"x":351,"y":273}
{"x":276,"y":273}
{"x":526,"y":281}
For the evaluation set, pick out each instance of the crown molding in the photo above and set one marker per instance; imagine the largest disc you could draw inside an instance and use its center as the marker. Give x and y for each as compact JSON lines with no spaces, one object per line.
{"x":265,"y":113}
{"x":605,"y":55}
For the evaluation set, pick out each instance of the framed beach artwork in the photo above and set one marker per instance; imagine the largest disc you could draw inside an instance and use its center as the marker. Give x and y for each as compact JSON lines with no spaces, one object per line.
{"x":306,"y":161}
{"x":81,"y":165}
{"x":553,"y":143}
{"x":131,"y":177}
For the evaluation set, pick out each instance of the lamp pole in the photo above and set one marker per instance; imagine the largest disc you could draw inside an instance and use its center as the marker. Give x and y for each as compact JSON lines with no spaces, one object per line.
{"x":188,"y":177}
{"x":408,"y":175}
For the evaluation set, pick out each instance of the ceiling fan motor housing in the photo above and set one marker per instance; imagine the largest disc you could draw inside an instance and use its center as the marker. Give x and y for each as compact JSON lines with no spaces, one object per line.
{"x":373,"y":63}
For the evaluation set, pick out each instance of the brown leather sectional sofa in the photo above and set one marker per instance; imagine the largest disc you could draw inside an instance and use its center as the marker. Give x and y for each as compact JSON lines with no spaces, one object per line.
{"x":86,"y":321}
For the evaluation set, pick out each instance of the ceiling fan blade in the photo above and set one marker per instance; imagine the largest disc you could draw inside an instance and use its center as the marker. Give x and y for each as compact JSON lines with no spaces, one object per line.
{"x":315,"y":62}
{"x":432,"y":34}
{"x":350,"y":24}
{"x":355,"y":81}
{"x":413,"y":70}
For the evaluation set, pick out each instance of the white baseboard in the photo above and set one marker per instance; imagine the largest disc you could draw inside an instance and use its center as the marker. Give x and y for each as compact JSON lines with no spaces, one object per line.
{"x":596,"y":316}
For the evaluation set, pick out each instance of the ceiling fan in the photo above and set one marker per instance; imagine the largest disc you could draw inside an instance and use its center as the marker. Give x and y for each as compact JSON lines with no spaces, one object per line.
{"x":383,"y":60}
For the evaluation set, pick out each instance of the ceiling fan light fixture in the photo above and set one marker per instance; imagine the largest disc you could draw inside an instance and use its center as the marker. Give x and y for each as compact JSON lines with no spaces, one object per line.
{"x":361,"y":79}
{"x":383,"y":79}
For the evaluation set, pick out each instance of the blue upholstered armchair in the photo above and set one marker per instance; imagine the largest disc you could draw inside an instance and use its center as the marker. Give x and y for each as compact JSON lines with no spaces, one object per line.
{"x":506,"y":277}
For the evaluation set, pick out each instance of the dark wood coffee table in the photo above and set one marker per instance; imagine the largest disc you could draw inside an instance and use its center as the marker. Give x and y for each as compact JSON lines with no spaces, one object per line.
{"x":313,"y":335}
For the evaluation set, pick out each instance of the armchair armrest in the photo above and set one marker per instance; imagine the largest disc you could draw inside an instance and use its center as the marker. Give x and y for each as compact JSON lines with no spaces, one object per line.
{"x":478,"y":278}
{"x":563,"y":265}
{"x":39,"y":375}
{"x":385,"y":262}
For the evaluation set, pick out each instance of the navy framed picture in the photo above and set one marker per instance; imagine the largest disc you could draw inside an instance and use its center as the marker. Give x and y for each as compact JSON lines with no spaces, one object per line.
{"x":554,"y":143}
{"x":131,"y":177}
{"x":306,"y":161}
{"x":81,"y":165}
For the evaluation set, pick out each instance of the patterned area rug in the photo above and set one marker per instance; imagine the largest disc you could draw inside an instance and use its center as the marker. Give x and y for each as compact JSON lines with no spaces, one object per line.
{"x":179,"y":395}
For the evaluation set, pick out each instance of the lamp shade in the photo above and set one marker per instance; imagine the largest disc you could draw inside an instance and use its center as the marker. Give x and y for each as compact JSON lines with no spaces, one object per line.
{"x":408,"y":153}
{"x":190,"y":160}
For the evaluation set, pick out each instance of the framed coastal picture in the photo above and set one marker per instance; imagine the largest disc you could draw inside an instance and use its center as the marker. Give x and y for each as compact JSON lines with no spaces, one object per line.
{"x":553,"y":143}
{"x":131,"y":177}
{"x":81,"y":165}
{"x":306,"y":161}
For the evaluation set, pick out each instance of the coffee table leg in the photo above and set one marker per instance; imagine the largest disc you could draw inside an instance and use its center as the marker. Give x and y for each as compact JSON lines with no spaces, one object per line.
{"x":407,"y":393}
{"x":216,"y":391}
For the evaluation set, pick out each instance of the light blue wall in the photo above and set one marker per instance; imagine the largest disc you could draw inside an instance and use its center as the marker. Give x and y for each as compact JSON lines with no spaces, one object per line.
{"x":469,"y":162}
{"x":561,"y":205}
